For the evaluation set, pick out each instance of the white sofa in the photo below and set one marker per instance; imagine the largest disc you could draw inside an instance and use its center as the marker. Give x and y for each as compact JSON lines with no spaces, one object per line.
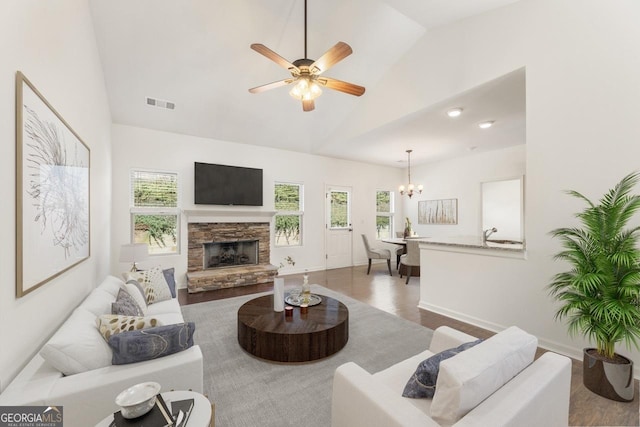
{"x":88,"y":397}
{"x":537,"y":396}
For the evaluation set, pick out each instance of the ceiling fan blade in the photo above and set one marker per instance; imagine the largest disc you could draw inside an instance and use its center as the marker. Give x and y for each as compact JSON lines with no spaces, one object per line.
{"x":341,"y":86}
{"x":263,"y":50}
{"x":308,"y":105}
{"x":269,"y":86}
{"x":331,"y":57}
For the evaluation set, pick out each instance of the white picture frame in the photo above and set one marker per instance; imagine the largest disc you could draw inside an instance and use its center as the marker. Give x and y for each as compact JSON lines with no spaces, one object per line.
{"x":52,"y":191}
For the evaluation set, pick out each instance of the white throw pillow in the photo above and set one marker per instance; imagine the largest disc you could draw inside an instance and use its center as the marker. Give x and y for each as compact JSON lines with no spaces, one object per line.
{"x":77,"y":346}
{"x":155,"y":286}
{"x":470,"y":377}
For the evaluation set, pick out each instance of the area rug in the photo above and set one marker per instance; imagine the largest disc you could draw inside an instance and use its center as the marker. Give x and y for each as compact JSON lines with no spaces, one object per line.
{"x":251,"y":392}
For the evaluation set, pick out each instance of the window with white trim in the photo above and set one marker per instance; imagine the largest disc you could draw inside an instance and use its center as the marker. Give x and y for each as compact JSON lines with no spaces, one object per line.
{"x":290,"y":210}
{"x":384,"y":214}
{"x":155,"y":216}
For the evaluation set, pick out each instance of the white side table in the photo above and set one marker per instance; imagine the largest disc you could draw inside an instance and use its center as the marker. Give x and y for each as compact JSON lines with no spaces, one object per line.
{"x":202,"y":414}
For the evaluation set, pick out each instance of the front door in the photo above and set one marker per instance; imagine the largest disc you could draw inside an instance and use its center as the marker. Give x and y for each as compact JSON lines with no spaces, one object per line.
{"x":339,"y":235}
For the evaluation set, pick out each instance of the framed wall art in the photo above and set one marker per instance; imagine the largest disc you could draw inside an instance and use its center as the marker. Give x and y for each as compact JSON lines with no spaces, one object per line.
{"x":52,"y":191}
{"x":444,"y":211}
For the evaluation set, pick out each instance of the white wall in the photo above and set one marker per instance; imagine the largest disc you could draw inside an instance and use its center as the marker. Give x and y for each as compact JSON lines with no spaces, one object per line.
{"x":461,"y":179}
{"x":143,"y":148}
{"x":53,"y":44}
{"x":583,"y":94}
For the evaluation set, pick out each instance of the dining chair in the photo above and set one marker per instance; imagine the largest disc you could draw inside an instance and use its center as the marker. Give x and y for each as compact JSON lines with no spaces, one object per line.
{"x":401,"y":250}
{"x":373,"y":253}
{"x":411,"y":258}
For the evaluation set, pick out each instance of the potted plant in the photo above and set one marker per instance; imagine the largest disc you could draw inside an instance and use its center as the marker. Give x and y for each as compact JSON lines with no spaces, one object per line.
{"x":407,"y":228}
{"x":600,"y":295}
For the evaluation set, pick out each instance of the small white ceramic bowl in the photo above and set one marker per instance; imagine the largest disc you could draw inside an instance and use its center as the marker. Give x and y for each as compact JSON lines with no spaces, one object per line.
{"x":137,"y":400}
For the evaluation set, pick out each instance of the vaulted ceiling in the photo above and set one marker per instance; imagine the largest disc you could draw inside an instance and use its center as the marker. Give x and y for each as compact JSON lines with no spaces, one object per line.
{"x":195,"y":54}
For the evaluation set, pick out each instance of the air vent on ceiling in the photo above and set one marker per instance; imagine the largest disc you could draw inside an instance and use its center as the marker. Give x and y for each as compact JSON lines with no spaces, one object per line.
{"x":161,"y":103}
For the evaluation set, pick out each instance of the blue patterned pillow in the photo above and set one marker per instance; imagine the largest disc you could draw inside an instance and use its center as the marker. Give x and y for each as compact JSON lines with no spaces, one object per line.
{"x":151,"y":343}
{"x":171,"y":280}
{"x":422,"y":383}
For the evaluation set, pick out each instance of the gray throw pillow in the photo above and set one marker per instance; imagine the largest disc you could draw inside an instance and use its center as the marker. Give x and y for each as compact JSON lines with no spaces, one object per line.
{"x":171,"y":280}
{"x":126,"y":305}
{"x":151,"y":343}
{"x":422,"y":383}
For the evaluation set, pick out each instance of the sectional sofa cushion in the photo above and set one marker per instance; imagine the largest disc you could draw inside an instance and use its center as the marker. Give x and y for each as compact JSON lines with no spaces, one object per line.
{"x":111,"y":285}
{"x":155,"y":286}
{"x":125,"y":305}
{"x":112,"y":324}
{"x":98,"y":302}
{"x":422,"y":383}
{"x":473,"y":375}
{"x":146,"y":344}
{"x":77,"y":346}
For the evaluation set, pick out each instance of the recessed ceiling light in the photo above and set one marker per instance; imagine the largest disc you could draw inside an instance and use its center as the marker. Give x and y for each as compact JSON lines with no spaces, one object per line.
{"x":454,"y":112}
{"x":485,"y":125}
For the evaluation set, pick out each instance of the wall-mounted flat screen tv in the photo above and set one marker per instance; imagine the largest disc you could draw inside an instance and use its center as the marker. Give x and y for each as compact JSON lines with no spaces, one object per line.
{"x":227,"y":185}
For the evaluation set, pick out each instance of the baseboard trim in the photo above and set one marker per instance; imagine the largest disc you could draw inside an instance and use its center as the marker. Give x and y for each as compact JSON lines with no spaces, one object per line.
{"x":550,"y":345}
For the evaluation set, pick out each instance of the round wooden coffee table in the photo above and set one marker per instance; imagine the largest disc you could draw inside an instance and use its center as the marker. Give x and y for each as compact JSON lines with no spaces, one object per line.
{"x":268,"y":334}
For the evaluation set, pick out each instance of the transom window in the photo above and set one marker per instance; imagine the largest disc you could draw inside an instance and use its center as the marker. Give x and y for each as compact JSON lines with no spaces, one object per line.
{"x":290,"y":211}
{"x":155,"y":216}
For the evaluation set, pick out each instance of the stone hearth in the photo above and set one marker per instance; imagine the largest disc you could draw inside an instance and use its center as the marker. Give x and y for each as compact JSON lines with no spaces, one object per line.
{"x":200,"y":278}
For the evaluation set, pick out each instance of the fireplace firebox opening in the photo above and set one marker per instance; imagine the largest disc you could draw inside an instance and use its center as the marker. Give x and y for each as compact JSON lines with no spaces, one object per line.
{"x":230,"y":254}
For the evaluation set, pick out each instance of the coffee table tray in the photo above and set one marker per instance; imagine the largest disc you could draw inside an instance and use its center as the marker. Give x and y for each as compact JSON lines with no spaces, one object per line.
{"x":296,"y":299}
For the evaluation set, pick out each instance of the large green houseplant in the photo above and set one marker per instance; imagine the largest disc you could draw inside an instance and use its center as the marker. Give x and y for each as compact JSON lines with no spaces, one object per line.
{"x":600,"y":296}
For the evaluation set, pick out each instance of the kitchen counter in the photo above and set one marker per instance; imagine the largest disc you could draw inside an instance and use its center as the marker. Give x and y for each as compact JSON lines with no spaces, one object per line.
{"x":474,"y":244}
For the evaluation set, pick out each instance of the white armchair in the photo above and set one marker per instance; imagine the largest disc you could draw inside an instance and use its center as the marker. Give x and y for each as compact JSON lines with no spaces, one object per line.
{"x":477,"y":387}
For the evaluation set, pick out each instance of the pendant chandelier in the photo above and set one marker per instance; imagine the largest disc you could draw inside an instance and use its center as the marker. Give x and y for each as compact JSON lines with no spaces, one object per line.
{"x":409,"y":189}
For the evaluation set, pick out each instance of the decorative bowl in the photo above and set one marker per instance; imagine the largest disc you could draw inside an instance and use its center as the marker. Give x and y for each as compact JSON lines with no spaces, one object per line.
{"x":137,"y":400}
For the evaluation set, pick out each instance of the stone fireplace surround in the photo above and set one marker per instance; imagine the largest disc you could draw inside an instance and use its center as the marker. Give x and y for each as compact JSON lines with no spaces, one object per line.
{"x":206,"y":228}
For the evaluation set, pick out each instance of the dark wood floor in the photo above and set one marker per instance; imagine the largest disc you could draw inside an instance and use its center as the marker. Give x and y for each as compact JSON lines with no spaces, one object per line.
{"x":392,"y":295}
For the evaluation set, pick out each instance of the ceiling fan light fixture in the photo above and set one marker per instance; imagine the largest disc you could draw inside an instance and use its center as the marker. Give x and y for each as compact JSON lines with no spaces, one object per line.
{"x":305,"y":90}
{"x":306,"y":72}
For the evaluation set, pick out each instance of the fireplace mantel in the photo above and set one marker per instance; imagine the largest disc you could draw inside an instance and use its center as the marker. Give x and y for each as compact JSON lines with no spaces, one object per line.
{"x":227,"y":215}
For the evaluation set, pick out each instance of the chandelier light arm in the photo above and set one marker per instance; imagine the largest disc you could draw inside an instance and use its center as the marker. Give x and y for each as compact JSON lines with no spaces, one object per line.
{"x":409,"y":189}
